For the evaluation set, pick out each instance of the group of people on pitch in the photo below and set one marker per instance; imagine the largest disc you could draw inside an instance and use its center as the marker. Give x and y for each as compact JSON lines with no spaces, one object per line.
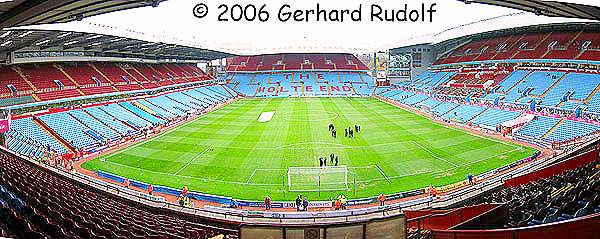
{"x":301,"y":203}
{"x":348,"y":132}
{"x":333,"y":160}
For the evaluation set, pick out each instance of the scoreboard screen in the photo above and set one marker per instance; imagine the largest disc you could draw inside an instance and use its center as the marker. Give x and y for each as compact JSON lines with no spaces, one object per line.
{"x":399,"y":65}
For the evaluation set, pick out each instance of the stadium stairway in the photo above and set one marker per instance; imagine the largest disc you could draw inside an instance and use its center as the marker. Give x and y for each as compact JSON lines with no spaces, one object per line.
{"x":594,"y":92}
{"x":477,"y":115}
{"x":156,"y":108}
{"x":518,"y":82}
{"x":103,"y":123}
{"x":553,"y":128}
{"x":552,"y":86}
{"x":180,"y":102}
{"x":31,"y":85}
{"x":135,"y":79}
{"x":132,"y":108}
{"x":20,"y":73}
{"x":210,"y":88}
{"x":95,"y":133}
{"x":91,"y":65}
{"x":77,"y":86}
{"x":51,"y":132}
{"x":189,"y":94}
{"x":229,"y":91}
{"x":120,"y":119}
{"x":97,"y":126}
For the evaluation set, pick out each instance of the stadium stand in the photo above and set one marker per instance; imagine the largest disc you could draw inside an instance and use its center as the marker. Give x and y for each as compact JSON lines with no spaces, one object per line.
{"x":87,"y":128}
{"x":302,"y":84}
{"x":561,"y":96}
{"x":295,"y":62}
{"x":564,"y":196}
{"x":61,"y":208}
{"x":30,"y":83}
{"x":570,"y":45}
{"x":564,"y":101}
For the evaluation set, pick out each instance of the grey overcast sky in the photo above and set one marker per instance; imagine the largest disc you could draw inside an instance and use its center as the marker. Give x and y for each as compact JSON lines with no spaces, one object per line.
{"x":174,"y":18}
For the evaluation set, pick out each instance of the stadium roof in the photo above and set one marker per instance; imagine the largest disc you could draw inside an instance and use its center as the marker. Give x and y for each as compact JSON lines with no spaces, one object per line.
{"x":31,"y":40}
{"x":556,"y":27}
{"x":30,"y":12}
{"x":548,"y":8}
{"x":521,"y":20}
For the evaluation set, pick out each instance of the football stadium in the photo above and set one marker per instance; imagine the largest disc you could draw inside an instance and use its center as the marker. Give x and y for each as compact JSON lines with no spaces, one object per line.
{"x":118,"y":123}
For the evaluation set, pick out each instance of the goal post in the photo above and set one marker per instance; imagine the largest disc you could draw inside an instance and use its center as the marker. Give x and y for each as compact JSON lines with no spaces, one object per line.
{"x":313,"y":179}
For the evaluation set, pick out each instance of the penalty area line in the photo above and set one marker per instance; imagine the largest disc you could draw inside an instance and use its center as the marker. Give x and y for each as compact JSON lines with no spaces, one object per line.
{"x":252,"y":175}
{"x":191,"y":161}
{"x":435,"y":156}
{"x":381,"y":172}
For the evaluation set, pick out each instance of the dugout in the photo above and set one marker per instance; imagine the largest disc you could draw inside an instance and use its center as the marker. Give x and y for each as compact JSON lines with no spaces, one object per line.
{"x":393,"y":227}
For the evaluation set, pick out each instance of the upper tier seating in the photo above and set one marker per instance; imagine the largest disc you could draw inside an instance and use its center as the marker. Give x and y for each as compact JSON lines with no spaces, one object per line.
{"x":84,"y":74}
{"x":569,"y":45}
{"x":295,"y":62}
{"x":46,"y":76}
{"x":10,"y":77}
{"x":51,"y":81}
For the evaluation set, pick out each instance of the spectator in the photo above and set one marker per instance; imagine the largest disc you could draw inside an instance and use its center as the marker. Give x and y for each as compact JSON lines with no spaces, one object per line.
{"x":180,"y":200}
{"x":267,"y":203}
{"x":432,"y":191}
{"x":343,"y":200}
{"x":234,"y":204}
{"x":298,"y":202}
{"x":185,"y":191}
{"x":381,"y":199}
{"x":305,"y":204}
{"x":337,"y":205}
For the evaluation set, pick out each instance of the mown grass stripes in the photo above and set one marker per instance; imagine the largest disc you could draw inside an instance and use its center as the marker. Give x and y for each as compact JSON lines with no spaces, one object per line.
{"x":249,"y":159}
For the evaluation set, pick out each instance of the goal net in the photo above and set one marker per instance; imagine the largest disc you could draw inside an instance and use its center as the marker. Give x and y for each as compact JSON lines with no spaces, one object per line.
{"x":312,"y":179}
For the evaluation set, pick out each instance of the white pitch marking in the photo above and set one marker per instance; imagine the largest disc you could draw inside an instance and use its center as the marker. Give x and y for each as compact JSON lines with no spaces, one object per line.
{"x":191,"y":161}
{"x":252,"y":175}
{"x":183,"y":176}
{"x":381,"y":171}
{"x":435,"y":156}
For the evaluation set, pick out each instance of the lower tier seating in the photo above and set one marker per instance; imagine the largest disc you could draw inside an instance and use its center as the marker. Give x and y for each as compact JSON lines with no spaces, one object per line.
{"x":90,"y":127}
{"x":45,"y":205}
{"x":543,"y":128}
{"x":565,"y":196}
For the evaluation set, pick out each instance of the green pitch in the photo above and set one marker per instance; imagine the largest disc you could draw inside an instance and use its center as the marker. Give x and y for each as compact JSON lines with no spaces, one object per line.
{"x":228,"y":152}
